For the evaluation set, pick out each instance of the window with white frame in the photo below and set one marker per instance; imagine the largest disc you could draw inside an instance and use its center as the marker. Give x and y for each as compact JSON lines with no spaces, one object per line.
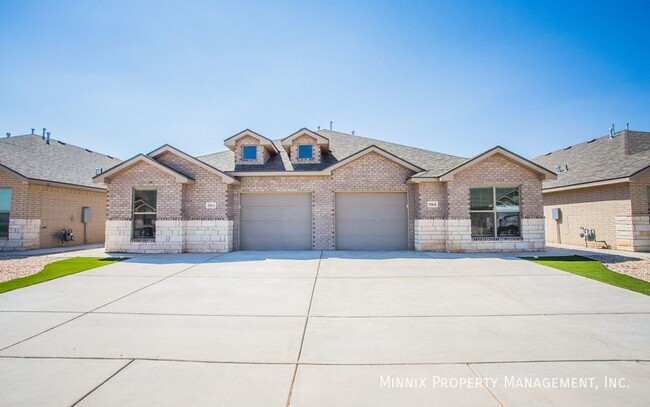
{"x":494,"y":211}
{"x":5,"y":209}
{"x":144,"y":213}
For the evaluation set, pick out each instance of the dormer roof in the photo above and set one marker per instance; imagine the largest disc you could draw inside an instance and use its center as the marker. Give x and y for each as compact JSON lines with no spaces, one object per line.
{"x":231,"y":142}
{"x":321,"y":141}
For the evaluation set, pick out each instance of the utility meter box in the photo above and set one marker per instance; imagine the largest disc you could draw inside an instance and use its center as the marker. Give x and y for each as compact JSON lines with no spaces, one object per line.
{"x":556,"y":213}
{"x":86,"y":214}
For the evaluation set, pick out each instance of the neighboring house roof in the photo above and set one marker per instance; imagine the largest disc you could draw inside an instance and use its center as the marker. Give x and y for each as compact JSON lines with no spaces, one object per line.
{"x":600,"y":160}
{"x":104,"y":177}
{"x":29,"y":156}
{"x":341,"y":147}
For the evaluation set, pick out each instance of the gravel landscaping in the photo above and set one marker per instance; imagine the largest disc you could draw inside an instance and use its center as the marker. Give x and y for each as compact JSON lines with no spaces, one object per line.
{"x":12,"y":267}
{"x":631,"y":266}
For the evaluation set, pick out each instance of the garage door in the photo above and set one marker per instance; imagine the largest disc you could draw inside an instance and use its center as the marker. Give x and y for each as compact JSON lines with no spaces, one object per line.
{"x":275,"y":222}
{"x":371,"y":221}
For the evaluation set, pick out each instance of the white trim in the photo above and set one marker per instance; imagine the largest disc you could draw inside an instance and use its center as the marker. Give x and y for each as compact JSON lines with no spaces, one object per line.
{"x":586,"y":185}
{"x":548,"y":174}
{"x":320,"y":140}
{"x":368,"y":150}
{"x":231,"y":142}
{"x":173,"y":150}
{"x":105,"y":177}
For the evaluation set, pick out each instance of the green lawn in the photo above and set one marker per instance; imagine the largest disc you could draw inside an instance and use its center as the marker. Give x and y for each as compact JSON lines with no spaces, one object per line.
{"x":56,"y":270}
{"x":594,"y":270}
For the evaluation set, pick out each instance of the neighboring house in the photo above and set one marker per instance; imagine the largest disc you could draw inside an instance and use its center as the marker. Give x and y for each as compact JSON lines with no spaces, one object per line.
{"x":44,"y":184}
{"x":601,"y":192}
{"x":323,"y":190}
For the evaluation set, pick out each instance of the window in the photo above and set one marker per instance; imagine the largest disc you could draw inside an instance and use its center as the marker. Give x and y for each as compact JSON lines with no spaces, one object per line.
{"x":305,"y":152}
{"x":494,"y":211}
{"x":249,"y":153}
{"x":5,"y":207}
{"x":144,"y":213}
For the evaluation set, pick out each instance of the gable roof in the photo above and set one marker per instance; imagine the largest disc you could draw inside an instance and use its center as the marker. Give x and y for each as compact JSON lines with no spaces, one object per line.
{"x":341,"y":146}
{"x":30,"y":157}
{"x":265,"y":142}
{"x":322,"y":141}
{"x":449,"y":175}
{"x":599,"y":160}
{"x":173,"y":150}
{"x":104,"y":177}
{"x":373,"y":149}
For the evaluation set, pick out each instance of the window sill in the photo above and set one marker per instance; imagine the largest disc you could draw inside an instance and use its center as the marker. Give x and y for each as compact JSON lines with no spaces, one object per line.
{"x":497,"y":239}
{"x":143,"y":240}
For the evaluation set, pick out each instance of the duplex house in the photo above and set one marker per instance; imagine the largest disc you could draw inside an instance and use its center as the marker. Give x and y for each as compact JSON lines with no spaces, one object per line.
{"x":45,"y":184}
{"x":323,"y":190}
{"x":601,"y":197}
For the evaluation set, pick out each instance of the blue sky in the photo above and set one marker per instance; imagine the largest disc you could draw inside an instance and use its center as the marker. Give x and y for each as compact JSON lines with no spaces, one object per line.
{"x":123,"y":77}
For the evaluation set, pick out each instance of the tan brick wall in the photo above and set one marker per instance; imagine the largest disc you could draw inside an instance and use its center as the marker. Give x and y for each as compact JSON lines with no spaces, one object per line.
{"x":120,"y":192}
{"x":305,"y":139}
{"x":432,"y":191}
{"x":20,"y":205}
{"x":55,"y":208}
{"x":496,"y":171}
{"x":262,"y":154}
{"x":370,"y":172}
{"x":208,"y":187}
{"x":594,"y":208}
{"x":61,"y":208}
{"x":638,"y":194}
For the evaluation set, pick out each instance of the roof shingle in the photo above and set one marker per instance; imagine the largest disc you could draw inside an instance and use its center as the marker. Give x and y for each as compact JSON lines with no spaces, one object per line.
{"x":341,"y":146}
{"x":599,"y":159}
{"x":31,"y":157}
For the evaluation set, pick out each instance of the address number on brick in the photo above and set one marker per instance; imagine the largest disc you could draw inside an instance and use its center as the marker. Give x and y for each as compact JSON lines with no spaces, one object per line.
{"x":432,"y":204}
{"x":210,"y":205}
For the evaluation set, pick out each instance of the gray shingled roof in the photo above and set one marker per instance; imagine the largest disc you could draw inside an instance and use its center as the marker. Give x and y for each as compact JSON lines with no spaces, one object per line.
{"x":32,"y":158}
{"x":341,"y":146}
{"x":599,"y":159}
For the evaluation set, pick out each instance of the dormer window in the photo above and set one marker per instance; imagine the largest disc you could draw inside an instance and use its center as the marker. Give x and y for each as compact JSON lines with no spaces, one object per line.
{"x":249,"y":153}
{"x":305,"y":152}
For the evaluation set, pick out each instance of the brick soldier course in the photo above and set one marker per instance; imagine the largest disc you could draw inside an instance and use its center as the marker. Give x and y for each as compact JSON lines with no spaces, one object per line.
{"x":199,"y":198}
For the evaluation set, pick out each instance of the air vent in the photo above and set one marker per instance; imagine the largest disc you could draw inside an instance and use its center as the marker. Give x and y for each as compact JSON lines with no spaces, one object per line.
{"x":110,"y":157}
{"x":87,"y":150}
{"x":549,"y":153}
{"x":60,"y":142}
{"x":591,"y":141}
{"x":568,"y":147}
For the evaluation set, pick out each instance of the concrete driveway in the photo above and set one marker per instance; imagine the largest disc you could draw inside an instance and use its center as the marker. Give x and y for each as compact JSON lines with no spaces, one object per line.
{"x":324,"y":329}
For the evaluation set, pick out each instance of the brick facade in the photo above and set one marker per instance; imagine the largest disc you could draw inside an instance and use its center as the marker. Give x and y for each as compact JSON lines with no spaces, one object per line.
{"x":39,"y":212}
{"x":617,"y":213}
{"x":448,"y":227}
{"x":593,"y":208}
{"x":315,"y":148}
{"x":262,"y":154}
{"x":191,"y":227}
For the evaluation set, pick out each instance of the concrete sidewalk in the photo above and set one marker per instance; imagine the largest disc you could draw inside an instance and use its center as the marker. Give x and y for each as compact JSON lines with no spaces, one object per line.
{"x":322,"y":329}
